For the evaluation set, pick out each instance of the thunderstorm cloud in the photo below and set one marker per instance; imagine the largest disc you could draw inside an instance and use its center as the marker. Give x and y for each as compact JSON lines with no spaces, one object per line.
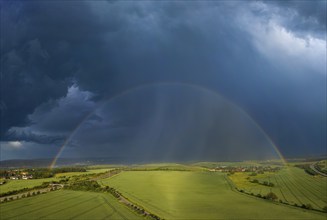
{"x":184,"y":80}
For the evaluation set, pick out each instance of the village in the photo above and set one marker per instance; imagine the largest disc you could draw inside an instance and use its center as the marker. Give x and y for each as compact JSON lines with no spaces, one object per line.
{"x":34,"y":173}
{"x":16,"y":174}
{"x":253,"y":169}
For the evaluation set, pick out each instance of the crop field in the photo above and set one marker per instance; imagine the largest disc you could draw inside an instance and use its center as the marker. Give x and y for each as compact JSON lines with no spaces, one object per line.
{"x":198,"y":195}
{"x":292,"y":185}
{"x":65,"y":204}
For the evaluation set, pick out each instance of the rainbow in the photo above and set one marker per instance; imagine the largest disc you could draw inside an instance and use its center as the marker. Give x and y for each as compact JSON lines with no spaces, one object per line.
{"x":142,"y":86}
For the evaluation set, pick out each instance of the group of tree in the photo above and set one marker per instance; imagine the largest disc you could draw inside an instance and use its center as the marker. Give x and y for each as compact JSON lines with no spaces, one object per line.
{"x":84,"y":185}
{"x":271,"y":196}
{"x":113,"y":191}
{"x":264,"y":183}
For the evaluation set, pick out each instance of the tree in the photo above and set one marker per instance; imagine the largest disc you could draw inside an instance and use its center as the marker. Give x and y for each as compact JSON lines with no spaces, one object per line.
{"x":271,"y":196}
{"x":253,"y":174}
{"x":308,"y":206}
{"x":325,"y":208}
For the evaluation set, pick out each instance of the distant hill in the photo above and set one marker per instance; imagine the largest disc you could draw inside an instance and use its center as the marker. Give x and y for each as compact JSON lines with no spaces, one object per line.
{"x":45,"y":162}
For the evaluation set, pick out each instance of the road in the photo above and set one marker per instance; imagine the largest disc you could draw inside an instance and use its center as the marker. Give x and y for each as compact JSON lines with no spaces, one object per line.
{"x":312,"y":166}
{"x":20,"y":195}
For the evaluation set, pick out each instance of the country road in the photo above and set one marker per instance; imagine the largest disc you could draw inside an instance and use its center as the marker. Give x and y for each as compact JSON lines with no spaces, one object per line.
{"x":312,"y":166}
{"x":20,"y":195}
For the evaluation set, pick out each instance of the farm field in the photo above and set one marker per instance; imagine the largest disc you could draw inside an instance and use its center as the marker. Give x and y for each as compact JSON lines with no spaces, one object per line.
{"x":65,"y":204}
{"x":198,"y":195}
{"x":292,"y":185}
{"x":30,"y":183}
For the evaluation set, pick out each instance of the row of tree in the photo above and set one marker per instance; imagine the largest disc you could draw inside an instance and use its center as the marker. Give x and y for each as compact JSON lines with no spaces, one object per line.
{"x":13,"y":192}
{"x":264,"y":183}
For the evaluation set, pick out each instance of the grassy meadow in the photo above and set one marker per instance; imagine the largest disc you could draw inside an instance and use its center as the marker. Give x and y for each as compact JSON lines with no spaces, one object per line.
{"x":66,"y":204}
{"x":198,"y":195}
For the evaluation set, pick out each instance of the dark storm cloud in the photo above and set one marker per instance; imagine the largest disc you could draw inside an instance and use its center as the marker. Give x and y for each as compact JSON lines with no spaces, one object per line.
{"x":309,"y":15}
{"x":104,"y":48}
{"x":28,"y":136}
{"x":53,"y":121}
{"x":62,"y":116}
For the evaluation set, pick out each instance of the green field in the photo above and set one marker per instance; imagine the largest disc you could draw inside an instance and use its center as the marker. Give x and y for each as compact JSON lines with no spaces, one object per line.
{"x":292,"y":185}
{"x":198,"y":195}
{"x":65,"y":204}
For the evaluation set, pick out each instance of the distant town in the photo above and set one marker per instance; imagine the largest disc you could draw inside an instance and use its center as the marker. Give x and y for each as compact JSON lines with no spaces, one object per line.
{"x":254,"y":169}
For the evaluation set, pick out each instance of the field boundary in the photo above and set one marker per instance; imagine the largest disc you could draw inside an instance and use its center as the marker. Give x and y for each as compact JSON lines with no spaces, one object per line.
{"x":236,"y":189}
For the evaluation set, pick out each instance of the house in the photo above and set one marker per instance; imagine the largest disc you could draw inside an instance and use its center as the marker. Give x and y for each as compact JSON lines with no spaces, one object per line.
{"x":26,"y":177}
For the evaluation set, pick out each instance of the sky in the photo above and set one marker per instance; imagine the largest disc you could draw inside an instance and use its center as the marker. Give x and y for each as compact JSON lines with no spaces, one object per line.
{"x":163,"y":80}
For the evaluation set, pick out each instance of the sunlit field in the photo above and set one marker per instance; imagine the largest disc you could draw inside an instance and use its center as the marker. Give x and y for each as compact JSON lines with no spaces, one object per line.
{"x":198,"y":195}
